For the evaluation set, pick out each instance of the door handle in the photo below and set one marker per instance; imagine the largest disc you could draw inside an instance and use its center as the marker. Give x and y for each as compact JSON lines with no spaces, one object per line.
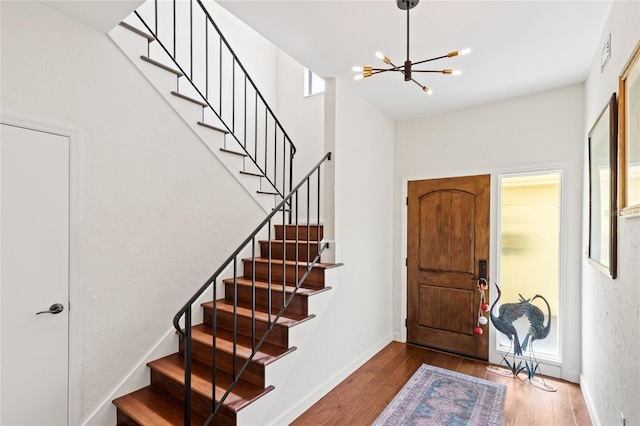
{"x":482,"y":270}
{"x":56,"y":308}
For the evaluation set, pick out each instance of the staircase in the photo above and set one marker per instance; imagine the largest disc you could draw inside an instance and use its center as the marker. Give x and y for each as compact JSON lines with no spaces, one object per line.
{"x":162,"y":402}
{"x":226,"y":345}
{"x":182,"y":52}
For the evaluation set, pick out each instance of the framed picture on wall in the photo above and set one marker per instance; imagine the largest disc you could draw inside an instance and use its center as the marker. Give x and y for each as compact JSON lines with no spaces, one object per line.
{"x":629,"y":144}
{"x":603,"y":175}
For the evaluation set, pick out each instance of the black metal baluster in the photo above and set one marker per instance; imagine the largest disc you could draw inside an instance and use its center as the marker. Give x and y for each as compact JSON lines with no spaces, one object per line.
{"x":266,"y":173}
{"x":284,"y":259}
{"x":253,"y":294}
{"x":269,"y":277}
{"x":187,"y":367}
{"x":174,"y":30}
{"x":214,"y":337}
{"x":235,"y":313}
{"x":255,"y":132}
{"x":245,"y":113}
{"x":275,"y":158}
{"x":291,"y":154}
{"x":297,"y":242}
{"x":220,"y":88}
{"x":318,"y":215}
{"x":233,"y":95}
{"x":156,"y":18}
{"x":308,"y":221}
{"x":206,"y":58}
{"x":191,"y":39}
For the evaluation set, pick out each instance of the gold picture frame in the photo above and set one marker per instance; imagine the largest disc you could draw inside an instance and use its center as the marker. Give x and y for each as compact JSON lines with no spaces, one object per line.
{"x":629,"y":136}
{"x":603,"y":176}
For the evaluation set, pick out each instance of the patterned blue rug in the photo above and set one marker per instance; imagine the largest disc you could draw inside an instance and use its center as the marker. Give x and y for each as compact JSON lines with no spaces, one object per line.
{"x":435,"y":396}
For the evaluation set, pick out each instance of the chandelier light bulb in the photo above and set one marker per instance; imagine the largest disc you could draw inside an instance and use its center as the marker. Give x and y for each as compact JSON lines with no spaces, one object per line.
{"x":379,"y":55}
{"x":456,"y":72}
{"x":464,"y":52}
{"x":427,"y":90}
{"x":358,"y":77}
{"x":357,"y":69}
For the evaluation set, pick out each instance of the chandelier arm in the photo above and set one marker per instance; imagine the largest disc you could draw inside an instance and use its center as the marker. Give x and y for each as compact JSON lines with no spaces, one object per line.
{"x":434,"y":71}
{"x":420,"y":85}
{"x":432,"y":59}
{"x":384,"y":69}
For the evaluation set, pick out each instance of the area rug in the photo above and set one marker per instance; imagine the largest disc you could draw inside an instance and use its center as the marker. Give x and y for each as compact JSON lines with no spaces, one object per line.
{"x":435,"y":396}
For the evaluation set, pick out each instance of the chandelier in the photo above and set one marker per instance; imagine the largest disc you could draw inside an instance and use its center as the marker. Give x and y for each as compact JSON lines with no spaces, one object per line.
{"x":408,"y":68}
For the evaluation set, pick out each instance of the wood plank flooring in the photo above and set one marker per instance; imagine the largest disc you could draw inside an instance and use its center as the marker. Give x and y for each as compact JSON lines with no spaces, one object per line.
{"x":362,"y":396}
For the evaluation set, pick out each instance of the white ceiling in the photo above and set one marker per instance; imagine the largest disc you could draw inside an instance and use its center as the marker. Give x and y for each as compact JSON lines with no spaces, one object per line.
{"x":518,"y":47}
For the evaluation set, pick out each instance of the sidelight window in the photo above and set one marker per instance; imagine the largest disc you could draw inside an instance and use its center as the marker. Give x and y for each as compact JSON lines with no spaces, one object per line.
{"x":529,"y":253}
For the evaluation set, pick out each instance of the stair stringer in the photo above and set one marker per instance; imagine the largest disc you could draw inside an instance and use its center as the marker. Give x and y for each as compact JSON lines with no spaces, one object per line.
{"x":133,"y":47}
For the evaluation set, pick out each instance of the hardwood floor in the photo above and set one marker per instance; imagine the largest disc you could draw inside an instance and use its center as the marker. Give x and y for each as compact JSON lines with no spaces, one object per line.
{"x":362,"y":396}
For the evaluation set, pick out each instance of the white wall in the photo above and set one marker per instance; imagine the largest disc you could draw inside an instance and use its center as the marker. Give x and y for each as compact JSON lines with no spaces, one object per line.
{"x":544,"y":130}
{"x":151,"y":226}
{"x":302,"y":117}
{"x":610,"y":308}
{"x":356,"y":324}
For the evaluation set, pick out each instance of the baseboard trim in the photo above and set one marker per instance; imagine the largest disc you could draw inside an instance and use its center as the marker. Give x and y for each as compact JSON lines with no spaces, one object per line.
{"x":314,"y":396}
{"x":588,"y":400}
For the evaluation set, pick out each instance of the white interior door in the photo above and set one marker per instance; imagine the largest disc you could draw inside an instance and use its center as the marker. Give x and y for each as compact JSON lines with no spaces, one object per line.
{"x":34,"y":275}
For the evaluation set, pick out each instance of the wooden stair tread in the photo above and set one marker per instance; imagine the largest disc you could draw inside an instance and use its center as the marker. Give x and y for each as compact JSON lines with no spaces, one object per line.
{"x":293,"y":263}
{"x":268,"y":353}
{"x":286,"y":320}
{"x":262,"y":285}
{"x":243,"y":393}
{"x":151,"y":406}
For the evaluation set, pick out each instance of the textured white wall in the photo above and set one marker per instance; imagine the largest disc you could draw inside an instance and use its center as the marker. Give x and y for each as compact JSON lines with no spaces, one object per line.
{"x":523,"y":134}
{"x":155,"y":203}
{"x":611,"y":308}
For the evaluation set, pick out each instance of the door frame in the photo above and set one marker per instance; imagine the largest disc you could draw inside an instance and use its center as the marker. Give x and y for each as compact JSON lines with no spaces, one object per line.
{"x":75,"y":335}
{"x":493,"y":356}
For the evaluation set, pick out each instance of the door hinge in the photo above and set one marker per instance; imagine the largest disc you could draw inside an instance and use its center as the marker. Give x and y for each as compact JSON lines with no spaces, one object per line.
{"x":406,"y":323}
{"x":406,"y":261}
{"x":407,"y":200}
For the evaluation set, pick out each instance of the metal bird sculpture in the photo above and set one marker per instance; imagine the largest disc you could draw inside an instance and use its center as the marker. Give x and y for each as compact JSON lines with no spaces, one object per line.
{"x":537,"y":329}
{"x":509,"y":312}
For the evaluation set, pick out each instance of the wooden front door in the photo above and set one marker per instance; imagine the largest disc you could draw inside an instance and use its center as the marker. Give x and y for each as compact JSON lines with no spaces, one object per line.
{"x":447,"y":238}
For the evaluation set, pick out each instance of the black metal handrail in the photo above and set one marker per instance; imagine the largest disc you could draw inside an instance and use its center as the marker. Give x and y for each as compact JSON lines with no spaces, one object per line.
{"x":272,"y":154}
{"x":292,"y":199}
